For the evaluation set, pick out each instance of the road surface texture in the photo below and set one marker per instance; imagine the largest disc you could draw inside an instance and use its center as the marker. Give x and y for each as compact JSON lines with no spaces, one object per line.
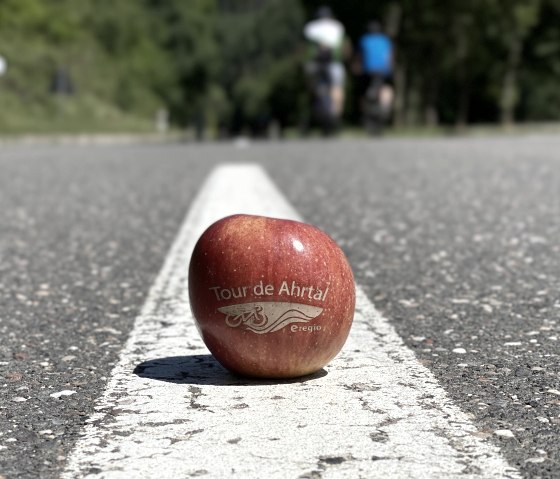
{"x":455,"y":241}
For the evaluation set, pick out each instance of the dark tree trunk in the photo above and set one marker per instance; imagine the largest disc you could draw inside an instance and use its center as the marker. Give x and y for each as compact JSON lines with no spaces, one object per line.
{"x":400,"y":79}
{"x":462,"y":53}
{"x":508,"y":100}
{"x":431,"y":90}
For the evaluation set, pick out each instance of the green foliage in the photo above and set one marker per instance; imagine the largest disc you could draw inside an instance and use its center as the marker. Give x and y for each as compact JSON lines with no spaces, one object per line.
{"x":190,"y":44}
{"x":115,"y":66}
{"x":235,"y":64}
{"x":259,"y":68}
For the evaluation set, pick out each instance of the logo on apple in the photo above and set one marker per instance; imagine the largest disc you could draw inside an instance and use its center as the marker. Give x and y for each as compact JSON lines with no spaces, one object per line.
{"x":258,"y":284}
{"x":261,"y":318}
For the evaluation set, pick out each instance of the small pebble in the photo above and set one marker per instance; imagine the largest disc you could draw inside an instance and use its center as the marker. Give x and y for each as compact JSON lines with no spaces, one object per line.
{"x":504,"y":433}
{"x":460,"y":301}
{"x":554,"y":391}
{"x":66,"y":392}
{"x":19,"y":399}
{"x":460,"y":351}
{"x":535,"y":460}
{"x":107,"y":330}
{"x":14,"y":376}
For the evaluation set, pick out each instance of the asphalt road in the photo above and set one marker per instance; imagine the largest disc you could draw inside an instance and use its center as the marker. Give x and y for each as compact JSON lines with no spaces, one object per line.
{"x":456,"y":242}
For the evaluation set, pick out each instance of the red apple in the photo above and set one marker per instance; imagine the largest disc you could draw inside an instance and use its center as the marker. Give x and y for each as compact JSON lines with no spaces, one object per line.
{"x":272,"y":298}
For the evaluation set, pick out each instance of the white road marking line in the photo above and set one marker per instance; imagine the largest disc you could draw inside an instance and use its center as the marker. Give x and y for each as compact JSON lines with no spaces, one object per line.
{"x":377,"y":412}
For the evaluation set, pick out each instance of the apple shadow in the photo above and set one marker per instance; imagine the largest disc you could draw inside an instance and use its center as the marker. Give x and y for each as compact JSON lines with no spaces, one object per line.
{"x":203,"y":369}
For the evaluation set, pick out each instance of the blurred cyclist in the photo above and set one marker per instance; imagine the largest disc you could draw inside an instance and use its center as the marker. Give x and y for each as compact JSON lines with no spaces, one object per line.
{"x":376,"y":49}
{"x":327,"y":47}
{"x":376,"y":62}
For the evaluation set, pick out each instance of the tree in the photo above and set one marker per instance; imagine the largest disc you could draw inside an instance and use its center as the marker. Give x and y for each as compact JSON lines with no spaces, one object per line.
{"x":516,"y":19}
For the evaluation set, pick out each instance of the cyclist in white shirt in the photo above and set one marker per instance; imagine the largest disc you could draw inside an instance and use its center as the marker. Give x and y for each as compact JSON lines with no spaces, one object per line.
{"x":327,"y":42}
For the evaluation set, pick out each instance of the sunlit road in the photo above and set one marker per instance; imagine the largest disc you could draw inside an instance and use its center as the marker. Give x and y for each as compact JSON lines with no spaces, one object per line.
{"x":455,"y":241}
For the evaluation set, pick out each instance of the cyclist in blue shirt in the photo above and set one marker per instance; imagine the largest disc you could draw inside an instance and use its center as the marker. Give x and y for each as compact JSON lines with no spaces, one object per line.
{"x":377,"y":51}
{"x":376,"y":64}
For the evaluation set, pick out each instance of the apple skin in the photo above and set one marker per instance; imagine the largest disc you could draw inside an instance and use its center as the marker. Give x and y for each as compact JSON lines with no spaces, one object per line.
{"x":272,"y":298}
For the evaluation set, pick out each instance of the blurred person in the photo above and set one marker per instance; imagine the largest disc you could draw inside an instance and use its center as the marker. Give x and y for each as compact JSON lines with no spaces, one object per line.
{"x":376,"y":59}
{"x":376,"y":49}
{"x":326,"y":50}
{"x":61,"y":83}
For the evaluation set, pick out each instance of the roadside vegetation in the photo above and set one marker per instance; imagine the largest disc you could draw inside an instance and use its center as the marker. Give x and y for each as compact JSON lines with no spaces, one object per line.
{"x":234,"y":66}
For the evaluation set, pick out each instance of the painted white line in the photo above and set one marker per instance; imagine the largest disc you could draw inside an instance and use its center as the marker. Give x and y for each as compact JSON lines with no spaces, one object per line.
{"x":377,"y":412}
